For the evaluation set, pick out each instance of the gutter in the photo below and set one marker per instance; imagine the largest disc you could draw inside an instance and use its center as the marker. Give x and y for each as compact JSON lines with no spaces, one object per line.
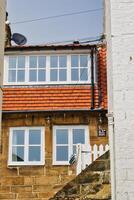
{"x":37,"y":111}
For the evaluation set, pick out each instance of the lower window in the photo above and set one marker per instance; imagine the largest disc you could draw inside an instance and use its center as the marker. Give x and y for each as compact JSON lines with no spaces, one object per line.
{"x":65,"y":139}
{"x":26,"y":146}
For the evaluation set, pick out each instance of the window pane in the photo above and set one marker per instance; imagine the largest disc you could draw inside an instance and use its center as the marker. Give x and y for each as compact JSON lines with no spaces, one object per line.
{"x":34,"y":153}
{"x":21,"y":61}
{"x":34,"y":137}
{"x":33,"y":62}
{"x":53,"y":61}
{"x":62,"y":136}
{"x":74,"y":61}
{"x":12,"y":62}
{"x":74,"y":75}
{"x":54,"y":75}
{"x":20,"y":76}
{"x":61,"y":153}
{"x":33,"y":75}
{"x":42,"y":61}
{"x":62,"y":75}
{"x":78,"y":136}
{"x":41,"y":75}
{"x":83,"y":61}
{"x":18,"y":154}
{"x":12,"y":76}
{"x":74,"y":149}
{"x":83,"y":74}
{"x":18,"y":137}
{"x":62,"y":61}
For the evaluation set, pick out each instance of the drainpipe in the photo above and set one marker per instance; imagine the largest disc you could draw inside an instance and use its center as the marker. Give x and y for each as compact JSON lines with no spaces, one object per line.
{"x":92,"y":78}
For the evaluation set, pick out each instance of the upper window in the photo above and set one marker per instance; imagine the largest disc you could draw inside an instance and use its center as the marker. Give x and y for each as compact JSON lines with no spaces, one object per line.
{"x":16,"y":69}
{"x":26,"y":146}
{"x":65,"y":140}
{"x":79,"y":68}
{"x":47,"y":69}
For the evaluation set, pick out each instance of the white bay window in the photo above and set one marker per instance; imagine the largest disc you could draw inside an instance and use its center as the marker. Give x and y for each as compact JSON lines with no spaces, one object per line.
{"x":47,"y":69}
{"x":26,"y":146}
{"x":65,"y":139}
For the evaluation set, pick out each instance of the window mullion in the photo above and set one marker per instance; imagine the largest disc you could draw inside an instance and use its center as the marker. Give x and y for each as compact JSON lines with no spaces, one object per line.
{"x":70,"y":144}
{"x":47,"y":68}
{"x":37,"y":69}
{"x":68,"y":68}
{"x":27,"y":69}
{"x":26,"y":145}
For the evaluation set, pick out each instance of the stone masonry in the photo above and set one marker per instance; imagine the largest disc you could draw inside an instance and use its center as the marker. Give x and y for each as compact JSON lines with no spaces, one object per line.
{"x":91,"y":184}
{"x":40,"y":182}
{"x":121,"y":65}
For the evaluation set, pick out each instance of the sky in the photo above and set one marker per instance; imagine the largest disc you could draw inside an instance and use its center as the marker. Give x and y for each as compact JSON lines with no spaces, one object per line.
{"x":73,"y":27}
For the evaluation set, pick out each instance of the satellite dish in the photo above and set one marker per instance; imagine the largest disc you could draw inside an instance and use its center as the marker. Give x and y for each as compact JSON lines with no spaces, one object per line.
{"x":19,"y":39}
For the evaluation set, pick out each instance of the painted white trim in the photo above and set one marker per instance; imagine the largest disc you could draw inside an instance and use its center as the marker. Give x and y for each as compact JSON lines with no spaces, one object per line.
{"x":47,"y":82}
{"x":26,"y":144}
{"x":70,"y":144}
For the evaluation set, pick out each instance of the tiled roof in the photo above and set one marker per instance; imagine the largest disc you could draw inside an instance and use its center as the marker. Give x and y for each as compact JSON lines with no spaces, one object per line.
{"x":54,"y":98}
{"x":48,"y":98}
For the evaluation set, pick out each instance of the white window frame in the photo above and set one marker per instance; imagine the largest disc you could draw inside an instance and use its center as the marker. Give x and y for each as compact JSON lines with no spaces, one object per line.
{"x":47,"y":82}
{"x":70,"y":140}
{"x":26,"y":144}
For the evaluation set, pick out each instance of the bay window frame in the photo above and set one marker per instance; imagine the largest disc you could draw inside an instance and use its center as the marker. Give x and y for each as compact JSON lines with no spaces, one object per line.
{"x":48,"y":68}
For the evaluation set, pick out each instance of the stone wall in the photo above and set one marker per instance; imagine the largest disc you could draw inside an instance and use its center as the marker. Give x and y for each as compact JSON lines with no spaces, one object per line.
{"x":121,"y":65}
{"x":91,"y":184}
{"x":40,"y":182}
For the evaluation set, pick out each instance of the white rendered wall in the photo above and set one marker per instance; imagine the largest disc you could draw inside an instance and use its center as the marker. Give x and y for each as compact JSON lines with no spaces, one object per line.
{"x":120,"y":38}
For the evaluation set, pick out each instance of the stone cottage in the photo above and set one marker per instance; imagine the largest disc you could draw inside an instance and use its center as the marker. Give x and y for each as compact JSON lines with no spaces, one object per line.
{"x":54,"y":97}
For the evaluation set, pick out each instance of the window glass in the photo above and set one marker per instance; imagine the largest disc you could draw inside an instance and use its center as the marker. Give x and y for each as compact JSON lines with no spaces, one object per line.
{"x":78,"y":136}
{"x":74,"y":61}
{"x":42,"y":75}
{"x":62,"y":153}
{"x":34,"y":137}
{"x":18,"y":154}
{"x":66,"y":140}
{"x":18,"y":137}
{"x":20,"y":76}
{"x":83,"y":74}
{"x":83,"y":61}
{"x":75,"y":75}
{"x":42,"y":61}
{"x":12,"y":62}
{"x":62,"y":74}
{"x":53,"y":61}
{"x":54,"y":75}
{"x":62,"y":61}
{"x":21,"y":61}
{"x":33,"y":75}
{"x":62,"y":136}
{"x":33,"y":62}
{"x":34,"y":153}
{"x":26,"y":146}
{"x":11,"y":76}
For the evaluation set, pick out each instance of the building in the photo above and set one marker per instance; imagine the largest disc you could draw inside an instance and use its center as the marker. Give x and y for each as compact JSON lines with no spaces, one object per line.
{"x":55,"y":96}
{"x":2,"y":40}
{"x":120,"y":37}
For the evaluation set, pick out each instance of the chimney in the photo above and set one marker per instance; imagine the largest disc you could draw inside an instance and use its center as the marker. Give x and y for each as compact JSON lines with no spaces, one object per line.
{"x":7,"y":32}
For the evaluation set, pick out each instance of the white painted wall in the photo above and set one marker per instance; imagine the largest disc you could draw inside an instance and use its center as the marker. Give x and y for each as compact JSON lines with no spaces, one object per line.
{"x":120,"y":38}
{"x":2,"y":40}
